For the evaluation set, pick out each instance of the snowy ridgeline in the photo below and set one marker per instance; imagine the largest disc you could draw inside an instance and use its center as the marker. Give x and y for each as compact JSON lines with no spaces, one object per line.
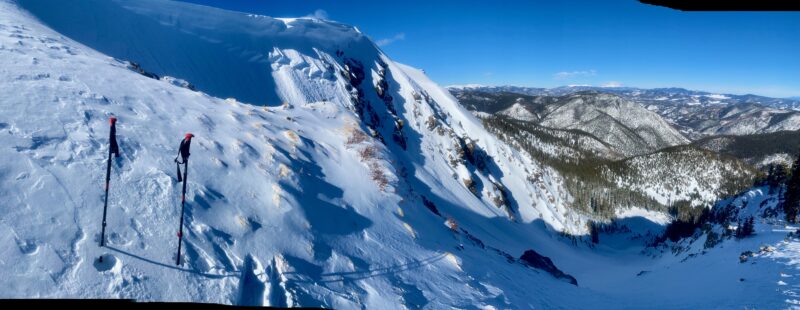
{"x":291,"y":204}
{"x":300,"y":203}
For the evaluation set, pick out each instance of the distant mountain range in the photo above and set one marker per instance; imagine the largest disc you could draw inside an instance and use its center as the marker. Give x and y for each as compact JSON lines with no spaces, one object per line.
{"x":624,"y":126}
{"x":696,"y":114}
{"x":660,"y":95}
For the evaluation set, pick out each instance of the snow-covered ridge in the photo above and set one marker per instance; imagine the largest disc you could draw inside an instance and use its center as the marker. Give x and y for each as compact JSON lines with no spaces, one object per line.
{"x":354,"y":172}
{"x":313,"y":61}
{"x":223,"y":53}
{"x":518,"y":111}
{"x":698,"y":177}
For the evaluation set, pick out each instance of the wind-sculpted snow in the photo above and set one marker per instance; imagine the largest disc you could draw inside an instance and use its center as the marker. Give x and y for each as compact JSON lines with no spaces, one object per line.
{"x":317,"y":201}
{"x":223,"y":53}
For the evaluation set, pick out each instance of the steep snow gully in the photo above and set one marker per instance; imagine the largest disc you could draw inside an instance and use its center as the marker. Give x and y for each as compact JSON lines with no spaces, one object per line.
{"x":331,"y":176}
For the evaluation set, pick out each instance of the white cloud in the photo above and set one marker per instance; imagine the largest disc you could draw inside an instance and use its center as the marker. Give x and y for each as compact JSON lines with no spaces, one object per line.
{"x":563,"y":75}
{"x":612,"y":84}
{"x":319,"y":14}
{"x":398,"y":37}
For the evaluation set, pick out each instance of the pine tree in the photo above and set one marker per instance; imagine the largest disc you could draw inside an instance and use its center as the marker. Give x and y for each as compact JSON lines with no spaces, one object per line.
{"x":791,"y":202}
{"x":776,"y":177}
{"x":739,"y":229}
{"x":769,"y":176}
{"x":711,"y":240}
{"x":593,"y":231}
{"x":745,"y":228}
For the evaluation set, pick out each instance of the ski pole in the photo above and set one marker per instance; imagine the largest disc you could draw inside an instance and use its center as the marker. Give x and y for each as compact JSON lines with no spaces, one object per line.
{"x":184,"y":153}
{"x":112,"y":149}
{"x":183,"y":206}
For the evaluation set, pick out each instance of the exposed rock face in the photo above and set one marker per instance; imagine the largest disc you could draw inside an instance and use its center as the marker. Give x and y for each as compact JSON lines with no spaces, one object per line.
{"x":535,"y":260}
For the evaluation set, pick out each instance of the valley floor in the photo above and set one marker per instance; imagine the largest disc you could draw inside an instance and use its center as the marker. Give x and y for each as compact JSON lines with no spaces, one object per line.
{"x":698,"y":278}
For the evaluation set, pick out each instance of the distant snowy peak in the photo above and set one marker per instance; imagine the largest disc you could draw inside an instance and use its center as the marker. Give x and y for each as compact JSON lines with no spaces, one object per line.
{"x":466,"y":86}
{"x":518,"y":111}
{"x":717,"y":96}
{"x":620,"y":123}
{"x":616,"y":120}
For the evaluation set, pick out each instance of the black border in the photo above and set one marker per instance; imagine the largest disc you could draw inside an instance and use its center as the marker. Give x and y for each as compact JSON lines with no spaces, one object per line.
{"x":111,"y":303}
{"x":727,"y":5}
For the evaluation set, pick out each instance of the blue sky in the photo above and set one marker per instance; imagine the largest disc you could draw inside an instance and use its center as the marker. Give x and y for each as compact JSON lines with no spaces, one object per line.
{"x":555,"y":43}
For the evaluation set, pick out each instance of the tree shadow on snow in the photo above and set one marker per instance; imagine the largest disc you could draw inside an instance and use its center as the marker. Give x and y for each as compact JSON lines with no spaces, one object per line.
{"x":635,"y":231}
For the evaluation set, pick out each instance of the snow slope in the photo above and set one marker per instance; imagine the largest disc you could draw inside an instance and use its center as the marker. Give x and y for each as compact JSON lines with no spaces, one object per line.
{"x":299,"y":204}
{"x":302,"y":57}
{"x":696,"y":176}
{"x":287,"y":206}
